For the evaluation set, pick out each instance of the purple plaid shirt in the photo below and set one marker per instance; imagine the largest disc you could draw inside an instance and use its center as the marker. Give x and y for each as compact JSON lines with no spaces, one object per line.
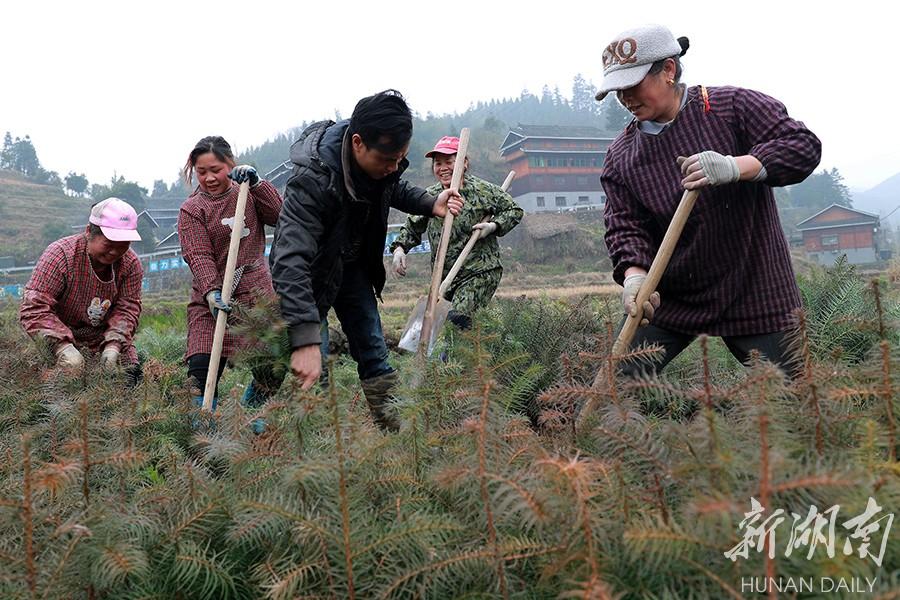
{"x":731,"y":271}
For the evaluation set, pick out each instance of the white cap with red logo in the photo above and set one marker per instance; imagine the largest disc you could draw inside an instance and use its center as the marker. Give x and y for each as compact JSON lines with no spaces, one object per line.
{"x":628,"y":58}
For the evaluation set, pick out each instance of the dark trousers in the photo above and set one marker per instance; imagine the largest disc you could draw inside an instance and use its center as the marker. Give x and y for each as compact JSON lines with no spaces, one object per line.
{"x":265,"y":377}
{"x":357,"y":310}
{"x":771,"y":346}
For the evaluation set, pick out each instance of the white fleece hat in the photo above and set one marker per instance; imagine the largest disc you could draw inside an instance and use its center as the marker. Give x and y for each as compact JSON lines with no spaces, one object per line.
{"x":628,"y":58}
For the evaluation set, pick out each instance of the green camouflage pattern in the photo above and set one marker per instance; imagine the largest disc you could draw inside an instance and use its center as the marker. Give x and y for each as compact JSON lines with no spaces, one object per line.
{"x":472,"y":293}
{"x":482,"y":199}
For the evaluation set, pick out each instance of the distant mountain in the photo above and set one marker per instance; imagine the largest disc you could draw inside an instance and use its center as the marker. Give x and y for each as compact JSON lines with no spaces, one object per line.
{"x":881,"y":199}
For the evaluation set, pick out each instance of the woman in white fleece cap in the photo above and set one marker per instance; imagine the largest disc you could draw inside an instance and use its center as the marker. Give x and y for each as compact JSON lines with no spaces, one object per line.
{"x":731,"y":273}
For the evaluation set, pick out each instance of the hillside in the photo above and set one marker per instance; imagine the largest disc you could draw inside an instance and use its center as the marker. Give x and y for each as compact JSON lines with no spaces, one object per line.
{"x":32,"y":215}
{"x":489,"y":123}
{"x":881,"y":199}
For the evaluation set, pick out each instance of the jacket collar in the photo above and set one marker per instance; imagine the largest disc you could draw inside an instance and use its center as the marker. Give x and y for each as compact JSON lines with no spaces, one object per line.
{"x":347,"y":169}
{"x":346,"y":166}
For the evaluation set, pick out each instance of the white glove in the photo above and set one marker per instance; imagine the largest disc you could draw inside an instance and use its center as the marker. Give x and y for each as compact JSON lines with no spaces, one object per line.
{"x":69,"y":358}
{"x":632,"y":285}
{"x":399,"y":262}
{"x":708,"y":169}
{"x":109,"y":359}
{"x":486,"y":228}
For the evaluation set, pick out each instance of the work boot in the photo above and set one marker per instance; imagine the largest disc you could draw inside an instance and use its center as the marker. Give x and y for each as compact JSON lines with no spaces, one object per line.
{"x":379,"y":398}
{"x":255,"y":397}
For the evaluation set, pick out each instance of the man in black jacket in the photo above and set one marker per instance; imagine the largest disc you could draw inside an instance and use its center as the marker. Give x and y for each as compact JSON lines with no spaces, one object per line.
{"x":329,"y":240}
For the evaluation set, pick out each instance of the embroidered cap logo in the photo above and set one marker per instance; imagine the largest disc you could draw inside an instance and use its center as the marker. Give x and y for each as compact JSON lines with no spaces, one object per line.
{"x":620,"y":52}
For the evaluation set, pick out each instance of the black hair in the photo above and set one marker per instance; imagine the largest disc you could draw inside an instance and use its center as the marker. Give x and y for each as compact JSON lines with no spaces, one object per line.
{"x":93,"y":231}
{"x":383,"y":121}
{"x":211,"y":143}
{"x":658,"y":65}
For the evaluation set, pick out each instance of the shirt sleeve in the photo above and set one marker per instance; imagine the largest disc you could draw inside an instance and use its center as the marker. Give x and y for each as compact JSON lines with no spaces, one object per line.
{"x":301,"y":227}
{"x":267,"y":201}
{"x":411,"y":233}
{"x":786,"y":148}
{"x":412,"y":199}
{"x":37,"y":314}
{"x":507,"y":214}
{"x":627,"y":224}
{"x":122,"y":320}
{"x":198,"y":253}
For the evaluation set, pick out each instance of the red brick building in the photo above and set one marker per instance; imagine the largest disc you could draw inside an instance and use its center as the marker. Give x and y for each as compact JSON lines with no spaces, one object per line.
{"x":557,"y":167}
{"x":839,"y":230}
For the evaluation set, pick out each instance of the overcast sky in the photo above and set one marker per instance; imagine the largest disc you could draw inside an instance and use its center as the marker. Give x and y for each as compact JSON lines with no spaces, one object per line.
{"x":130,"y":86}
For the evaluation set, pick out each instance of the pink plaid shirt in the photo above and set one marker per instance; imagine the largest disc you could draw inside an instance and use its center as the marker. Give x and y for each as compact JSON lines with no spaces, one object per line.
{"x":67,"y":302}
{"x":204,"y":228}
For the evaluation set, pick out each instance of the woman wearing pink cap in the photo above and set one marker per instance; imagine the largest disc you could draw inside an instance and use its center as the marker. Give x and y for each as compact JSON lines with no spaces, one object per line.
{"x":85,"y":292}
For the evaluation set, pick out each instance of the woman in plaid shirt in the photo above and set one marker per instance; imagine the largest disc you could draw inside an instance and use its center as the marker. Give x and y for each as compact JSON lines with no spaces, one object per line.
{"x":204,"y":228}
{"x":731,"y":273}
{"x":86,"y":291}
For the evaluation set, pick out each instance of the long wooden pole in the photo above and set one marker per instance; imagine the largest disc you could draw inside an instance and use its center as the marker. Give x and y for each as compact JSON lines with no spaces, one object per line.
{"x":222,"y":319}
{"x":438,"y":269}
{"x":657,"y":268}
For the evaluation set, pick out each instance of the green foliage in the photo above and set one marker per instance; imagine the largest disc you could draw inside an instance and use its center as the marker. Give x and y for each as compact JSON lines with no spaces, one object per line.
{"x":109,"y":493}
{"x":839,"y":307}
{"x":77,"y":184}
{"x":54,"y":230}
{"x":821,"y":190}
{"x":160,"y":189}
{"x":120,"y":188}
{"x":548,"y":336}
{"x":489,"y":121}
{"x":20,"y":155}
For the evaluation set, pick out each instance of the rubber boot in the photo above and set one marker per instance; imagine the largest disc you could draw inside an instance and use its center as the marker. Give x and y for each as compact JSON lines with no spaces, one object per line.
{"x":379,"y":398}
{"x":254,"y":397}
{"x":198,"y":402}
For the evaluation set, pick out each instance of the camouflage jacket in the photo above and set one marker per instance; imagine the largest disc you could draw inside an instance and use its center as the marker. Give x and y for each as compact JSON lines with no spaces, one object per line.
{"x":483,"y":199}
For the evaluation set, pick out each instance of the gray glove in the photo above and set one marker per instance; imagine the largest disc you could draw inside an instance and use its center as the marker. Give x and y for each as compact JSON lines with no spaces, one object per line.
{"x":708,"y":169}
{"x":242,"y":173}
{"x":632,"y":285}
{"x":215,"y":302}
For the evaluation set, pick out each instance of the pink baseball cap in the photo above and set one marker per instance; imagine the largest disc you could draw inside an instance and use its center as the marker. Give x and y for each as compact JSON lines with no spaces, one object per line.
{"x":446,"y":145}
{"x":116,"y":219}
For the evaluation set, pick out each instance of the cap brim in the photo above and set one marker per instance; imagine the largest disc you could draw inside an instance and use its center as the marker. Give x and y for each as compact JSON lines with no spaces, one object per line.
{"x":121,"y":235}
{"x":622,"y":80}
{"x":433,"y":152}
